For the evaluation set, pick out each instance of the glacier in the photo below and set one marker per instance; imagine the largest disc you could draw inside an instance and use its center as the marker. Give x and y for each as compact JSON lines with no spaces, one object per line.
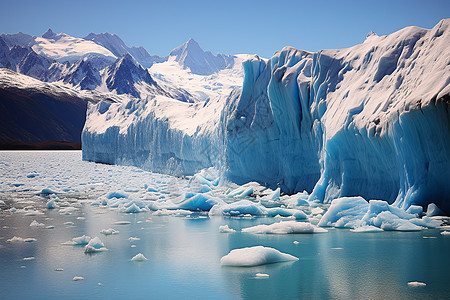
{"x":372,"y":120}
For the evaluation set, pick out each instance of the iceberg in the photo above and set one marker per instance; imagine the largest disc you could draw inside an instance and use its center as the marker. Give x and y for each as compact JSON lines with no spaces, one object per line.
{"x":139,"y":258}
{"x":95,"y":245}
{"x":255,"y":256}
{"x":370,"y":120}
{"x":287,"y":227}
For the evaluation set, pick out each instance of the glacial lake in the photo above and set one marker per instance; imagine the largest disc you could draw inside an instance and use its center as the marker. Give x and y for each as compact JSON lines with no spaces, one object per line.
{"x":184,"y":252}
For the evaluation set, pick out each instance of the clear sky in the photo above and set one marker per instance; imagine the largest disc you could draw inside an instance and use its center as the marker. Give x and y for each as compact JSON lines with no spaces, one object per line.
{"x":229,"y":27}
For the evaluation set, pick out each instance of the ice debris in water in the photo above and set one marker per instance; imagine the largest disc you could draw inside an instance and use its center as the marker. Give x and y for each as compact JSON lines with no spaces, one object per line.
{"x":81,"y":240}
{"x":77,"y":278}
{"x":139,"y":257}
{"x":368,"y":228}
{"x":286,"y":212}
{"x":95,"y":245}
{"x":109,"y":231}
{"x":445,"y":232}
{"x":262,"y":275}
{"x":285,"y":228}
{"x":132,"y":239}
{"x":416,"y":284}
{"x":51,"y":204}
{"x":35,"y":223}
{"x":433,"y":210}
{"x":226,"y":229}
{"x":354,"y":212}
{"x":255,"y":256}
{"x":29,"y":258}
{"x":241,"y":207}
{"x":17,"y":239}
{"x":122,"y":222}
{"x":201,"y":202}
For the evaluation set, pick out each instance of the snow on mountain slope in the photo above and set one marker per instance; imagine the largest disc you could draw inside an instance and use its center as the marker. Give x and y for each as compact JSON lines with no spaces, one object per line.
{"x":191,"y":56}
{"x":63,"y":47}
{"x":114,"y":43}
{"x":370,"y":120}
{"x":204,"y":87}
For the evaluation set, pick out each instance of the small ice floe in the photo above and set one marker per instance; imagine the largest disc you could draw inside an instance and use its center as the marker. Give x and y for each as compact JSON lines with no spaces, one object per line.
{"x":81,"y":218}
{"x":32,"y":175}
{"x":32,"y":213}
{"x":296,"y":242}
{"x":416,"y":284}
{"x":51,"y":204}
{"x":255,"y":256}
{"x":58,"y":269}
{"x":226,"y":229}
{"x":368,"y":228}
{"x":132,"y":239}
{"x":50,"y":227}
{"x":285,"y":228}
{"x":337,"y":248}
{"x":29,"y":258}
{"x":77,"y":278}
{"x":109,"y":231}
{"x":17,"y":239}
{"x":23,"y":267}
{"x":122,"y":223}
{"x":139,"y":257}
{"x":95,"y":245}
{"x":47,"y":191}
{"x":36,"y":224}
{"x":445,"y":232}
{"x":69,"y":223}
{"x":261,"y":275}
{"x":81,"y":240}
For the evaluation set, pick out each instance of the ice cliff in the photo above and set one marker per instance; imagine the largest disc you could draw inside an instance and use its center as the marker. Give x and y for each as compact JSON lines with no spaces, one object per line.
{"x":372,"y":120}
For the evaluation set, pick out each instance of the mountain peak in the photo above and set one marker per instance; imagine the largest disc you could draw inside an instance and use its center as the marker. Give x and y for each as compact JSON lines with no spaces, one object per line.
{"x":370,"y":36}
{"x":49,"y":34}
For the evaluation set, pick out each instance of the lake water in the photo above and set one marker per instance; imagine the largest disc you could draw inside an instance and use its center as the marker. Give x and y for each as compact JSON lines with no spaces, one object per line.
{"x":184,"y":252}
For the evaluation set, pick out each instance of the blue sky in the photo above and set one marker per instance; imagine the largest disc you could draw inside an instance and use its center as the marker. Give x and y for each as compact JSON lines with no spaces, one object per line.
{"x":230,"y":27}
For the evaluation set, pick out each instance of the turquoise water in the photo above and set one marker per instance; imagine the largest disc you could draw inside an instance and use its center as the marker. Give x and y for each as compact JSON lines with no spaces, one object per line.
{"x":184,"y":257}
{"x":184,"y":253}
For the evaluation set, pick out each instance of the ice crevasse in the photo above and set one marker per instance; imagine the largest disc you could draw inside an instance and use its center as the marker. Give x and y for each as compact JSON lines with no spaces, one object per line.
{"x":371,"y":120}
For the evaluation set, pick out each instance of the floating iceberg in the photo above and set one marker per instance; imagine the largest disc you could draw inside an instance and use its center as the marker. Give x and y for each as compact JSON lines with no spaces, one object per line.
{"x":109,"y":231}
{"x":95,"y":245}
{"x":226,"y":229}
{"x":139,"y":257}
{"x":285,"y":228}
{"x":241,"y":207}
{"x":255,"y":256}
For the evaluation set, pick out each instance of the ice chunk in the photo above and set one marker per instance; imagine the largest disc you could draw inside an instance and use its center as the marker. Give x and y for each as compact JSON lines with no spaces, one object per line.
{"x":117,"y":195}
{"x":16,"y":239}
{"x":345,"y":212}
{"x":226,"y":229}
{"x":200,"y":202}
{"x":50,"y":227}
{"x":389,"y":221}
{"x":32,"y":175}
{"x":109,"y":231}
{"x":433,"y":210}
{"x":255,"y":256}
{"x":36,"y":224}
{"x":262,"y":275}
{"x":69,"y":223}
{"x":241,"y":207}
{"x":81,"y":240}
{"x":416,"y":284}
{"x":286,"y":212}
{"x":296,"y":242}
{"x":132,"y":239}
{"x":133,"y":208}
{"x":415,"y":210}
{"x":139,"y":257}
{"x":77,"y":278}
{"x":51,"y":204}
{"x":58,"y":269}
{"x":29,"y":258}
{"x":285,"y":228}
{"x":122,"y":222}
{"x":47,"y":191}
{"x":241,"y":192}
{"x":368,"y":228}
{"x":95,"y":245}
{"x":445,"y":232}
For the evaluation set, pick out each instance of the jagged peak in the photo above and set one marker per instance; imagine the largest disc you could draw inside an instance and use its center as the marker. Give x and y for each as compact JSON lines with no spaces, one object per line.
{"x":48,"y":34}
{"x":370,"y":36}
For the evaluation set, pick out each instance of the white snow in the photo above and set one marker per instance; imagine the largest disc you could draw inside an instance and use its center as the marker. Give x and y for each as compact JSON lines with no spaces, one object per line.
{"x":255,"y":256}
{"x":16,"y":239}
{"x":77,"y":278}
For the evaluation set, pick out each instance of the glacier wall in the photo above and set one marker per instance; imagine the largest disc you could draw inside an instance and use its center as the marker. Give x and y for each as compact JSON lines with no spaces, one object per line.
{"x":370,"y":120}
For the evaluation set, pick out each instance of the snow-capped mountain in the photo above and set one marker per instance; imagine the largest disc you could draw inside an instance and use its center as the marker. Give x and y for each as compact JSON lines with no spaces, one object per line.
{"x":35,"y":111}
{"x":369,"y":120}
{"x":191,"y":56}
{"x":114,"y":43}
